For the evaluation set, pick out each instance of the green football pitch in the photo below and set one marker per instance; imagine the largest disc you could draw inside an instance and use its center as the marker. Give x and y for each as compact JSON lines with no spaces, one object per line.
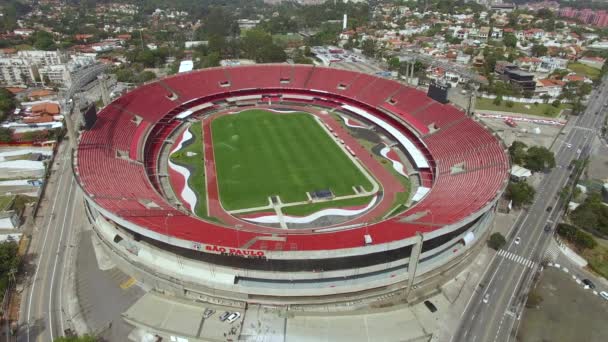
{"x":260,"y":154}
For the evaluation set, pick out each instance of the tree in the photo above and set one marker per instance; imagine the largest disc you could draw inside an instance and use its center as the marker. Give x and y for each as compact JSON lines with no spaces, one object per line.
{"x":520,"y":193}
{"x":393,"y":63}
{"x":539,"y":158}
{"x":43,"y":41}
{"x":146,"y":76}
{"x":579,"y":238}
{"x":498,"y":100}
{"x":592,"y":215}
{"x":539,"y":50}
{"x":545,"y":97}
{"x":5,"y":134}
{"x":369,"y":48}
{"x":517,"y":152}
{"x":258,"y":45}
{"x":496,"y":241}
{"x":509,"y":40}
{"x":7,"y":103}
{"x":9,"y":261}
{"x":510,"y":104}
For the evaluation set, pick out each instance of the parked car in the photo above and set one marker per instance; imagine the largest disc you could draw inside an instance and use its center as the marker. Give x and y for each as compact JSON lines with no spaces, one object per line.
{"x":604,"y":295}
{"x":430,"y":306}
{"x":548,"y":227}
{"x":208,"y":313}
{"x":589,"y":283}
{"x":233,"y":317}
{"x":224,"y":316}
{"x":486,"y":298}
{"x":549,"y":208}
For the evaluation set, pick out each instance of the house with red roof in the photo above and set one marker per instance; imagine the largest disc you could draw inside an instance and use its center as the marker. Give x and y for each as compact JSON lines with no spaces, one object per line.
{"x":549,"y":87}
{"x":594,"y":62}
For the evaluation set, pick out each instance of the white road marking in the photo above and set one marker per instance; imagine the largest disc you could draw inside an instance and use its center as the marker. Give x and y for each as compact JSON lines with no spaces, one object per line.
{"x":516,"y":258}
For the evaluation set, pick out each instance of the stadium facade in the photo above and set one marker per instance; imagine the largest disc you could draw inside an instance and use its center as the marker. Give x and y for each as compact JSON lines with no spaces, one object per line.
{"x":458,"y":171}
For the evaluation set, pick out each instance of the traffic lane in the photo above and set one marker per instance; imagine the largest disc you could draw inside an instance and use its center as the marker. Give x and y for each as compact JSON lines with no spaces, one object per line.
{"x":534,"y":237}
{"x":502,"y":287}
{"x":44,"y":310}
{"x":566,"y":156}
{"x":507,"y":289}
{"x":55,"y":317}
{"x":34,"y":322}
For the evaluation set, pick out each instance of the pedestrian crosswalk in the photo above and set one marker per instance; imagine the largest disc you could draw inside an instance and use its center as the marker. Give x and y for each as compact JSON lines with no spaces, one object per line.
{"x":552,"y":252}
{"x":516,"y":258}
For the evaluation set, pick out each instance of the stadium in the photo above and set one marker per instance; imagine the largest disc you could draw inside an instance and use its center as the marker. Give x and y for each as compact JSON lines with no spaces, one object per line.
{"x":288,"y":184}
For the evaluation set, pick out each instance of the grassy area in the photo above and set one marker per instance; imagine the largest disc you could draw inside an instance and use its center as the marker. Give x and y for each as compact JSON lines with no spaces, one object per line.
{"x":541,"y":109}
{"x":260,"y":154}
{"x":307,"y":209}
{"x":584,"y":70}
{"x":5,"y":201}
{"x":284,"y":39}
{"x":598,"y":259}
{"x":23,"y":47}
{"x":196,"y":166}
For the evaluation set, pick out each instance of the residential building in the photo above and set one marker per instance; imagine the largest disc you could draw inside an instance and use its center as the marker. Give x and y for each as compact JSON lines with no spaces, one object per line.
{"x":594,"y":62}
{"x":549,"y":87}
{"x":522,"y":79}
{"x":41,"y":67}
{"x":528,"y":63}
{"x":550,"y":64}
{"x":501,"y":67}
{"x":16,"y":71}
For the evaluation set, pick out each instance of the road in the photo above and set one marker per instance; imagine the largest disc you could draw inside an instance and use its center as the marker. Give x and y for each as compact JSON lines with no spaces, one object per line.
{"x":507,"y":279}
{"x":42,"y":314}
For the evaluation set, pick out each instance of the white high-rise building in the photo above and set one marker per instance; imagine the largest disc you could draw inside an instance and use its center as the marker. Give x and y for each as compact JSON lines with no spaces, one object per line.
{"x":41,"y":67}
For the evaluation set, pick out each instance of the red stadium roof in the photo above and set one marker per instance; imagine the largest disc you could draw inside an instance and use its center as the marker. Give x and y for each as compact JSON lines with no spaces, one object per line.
{"x":116,"y":159}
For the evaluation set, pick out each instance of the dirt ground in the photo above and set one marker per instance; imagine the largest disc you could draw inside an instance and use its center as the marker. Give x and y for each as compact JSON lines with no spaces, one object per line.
{"x":567,"y":313}
{"x":524,"y":132}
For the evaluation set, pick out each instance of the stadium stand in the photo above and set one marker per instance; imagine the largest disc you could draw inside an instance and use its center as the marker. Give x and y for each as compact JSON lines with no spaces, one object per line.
{"x":127,"y":189}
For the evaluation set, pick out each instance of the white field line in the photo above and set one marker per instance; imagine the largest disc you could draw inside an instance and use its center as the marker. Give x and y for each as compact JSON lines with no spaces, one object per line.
{"x":314,"y":216}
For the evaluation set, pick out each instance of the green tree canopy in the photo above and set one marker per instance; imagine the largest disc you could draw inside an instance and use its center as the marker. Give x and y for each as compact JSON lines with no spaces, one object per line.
{"x":496,"y":241}
{"x":592,"y":215}
{"x":257,"y":45}
{"x":7,"y":103}
{"x":539,"y":158}
{"x":509,"y":40}
{"x":539,"y":50}
{"x":369,"y":48}
{"x":44,"y":41}
{"x":9,"y":260}
{"x":393,"y":63}
{"x":579,"y":238}
{"x":520,"y":193}
{"x":517,"y":152}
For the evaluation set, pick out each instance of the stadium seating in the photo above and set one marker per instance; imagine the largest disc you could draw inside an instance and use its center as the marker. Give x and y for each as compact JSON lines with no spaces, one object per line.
{"x":117,"y":161}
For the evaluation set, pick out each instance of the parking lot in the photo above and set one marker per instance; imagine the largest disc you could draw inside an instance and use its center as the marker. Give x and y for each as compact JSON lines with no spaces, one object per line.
{"x":568,"y":312}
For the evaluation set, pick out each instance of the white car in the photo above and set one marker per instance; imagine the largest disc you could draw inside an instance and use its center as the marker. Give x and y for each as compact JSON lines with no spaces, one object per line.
{"x":517,"y":240}
{"x":486,"y":298}
{"x":604,"y":295}
{"x":233,"y":317}
{"x":569,"y":145}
